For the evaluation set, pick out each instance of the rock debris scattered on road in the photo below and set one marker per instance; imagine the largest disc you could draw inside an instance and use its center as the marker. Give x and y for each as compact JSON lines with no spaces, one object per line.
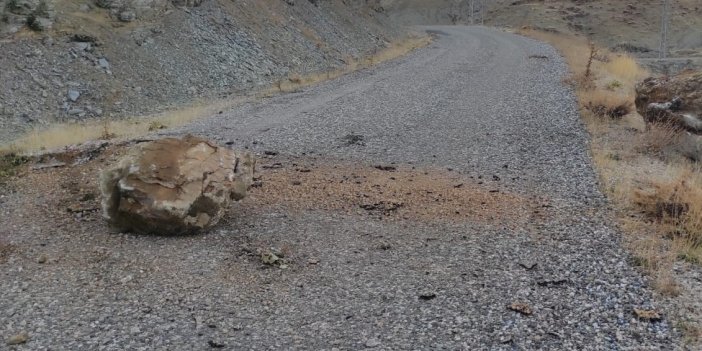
{"x":424,"y":267}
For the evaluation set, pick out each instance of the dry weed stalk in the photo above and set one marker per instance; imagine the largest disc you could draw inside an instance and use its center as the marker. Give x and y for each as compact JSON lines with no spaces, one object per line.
{"x":593,"y":53}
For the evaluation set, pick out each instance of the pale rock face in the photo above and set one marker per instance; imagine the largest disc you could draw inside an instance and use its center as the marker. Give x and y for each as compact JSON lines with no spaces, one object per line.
{"x":174,"y":186}
{"x":674,"y":100}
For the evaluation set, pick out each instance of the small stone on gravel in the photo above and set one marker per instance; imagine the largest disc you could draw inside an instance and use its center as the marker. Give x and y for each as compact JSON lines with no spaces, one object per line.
{"x":73,"y":95}
{"x":373,"y":342}
{"x":17,"y":339}
{"x":521,"y":308}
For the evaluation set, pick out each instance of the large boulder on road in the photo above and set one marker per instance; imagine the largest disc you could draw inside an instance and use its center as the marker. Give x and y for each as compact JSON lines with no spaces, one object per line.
{"x":174,"y":186}
{"x":673,"y":100}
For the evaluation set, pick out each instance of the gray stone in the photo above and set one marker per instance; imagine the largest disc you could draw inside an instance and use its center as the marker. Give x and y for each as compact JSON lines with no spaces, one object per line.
{"x":22,"y":7}
{"x":82,"y":46}
{"x":18,"y":339}
{"x":373,"y":342}
{"x":690,"y":146}
{"x":40,"y":24}
{"x":127,"y":16}
{"x":73,"y":95}
{"x":76,"y":112}
{"x":103,"y":63}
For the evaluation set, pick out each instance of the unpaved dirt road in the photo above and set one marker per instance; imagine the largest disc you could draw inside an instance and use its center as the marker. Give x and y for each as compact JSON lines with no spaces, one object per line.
{"x":445,"y":200}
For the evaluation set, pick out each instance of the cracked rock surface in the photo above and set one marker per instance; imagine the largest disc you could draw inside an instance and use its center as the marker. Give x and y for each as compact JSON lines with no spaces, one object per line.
{"x":174,"y":186}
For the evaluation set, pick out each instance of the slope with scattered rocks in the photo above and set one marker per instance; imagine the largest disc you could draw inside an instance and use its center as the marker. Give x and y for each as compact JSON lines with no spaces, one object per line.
{"x":113,"y":59}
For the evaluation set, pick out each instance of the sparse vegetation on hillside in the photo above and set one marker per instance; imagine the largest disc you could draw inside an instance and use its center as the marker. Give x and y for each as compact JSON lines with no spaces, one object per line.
{"x":59,"y":135}
{"x":658,"y":191}
{"x":9,"y":162}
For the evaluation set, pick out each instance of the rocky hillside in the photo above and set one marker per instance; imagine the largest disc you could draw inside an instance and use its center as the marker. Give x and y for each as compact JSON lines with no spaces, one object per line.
{"x":70,"y":60}
{"x":629,"y":24}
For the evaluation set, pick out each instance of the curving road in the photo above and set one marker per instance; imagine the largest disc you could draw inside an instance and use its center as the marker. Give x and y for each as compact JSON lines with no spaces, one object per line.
{"x":486,"y":106}
{"x":475,"y":99}
{"x":484,"y":103}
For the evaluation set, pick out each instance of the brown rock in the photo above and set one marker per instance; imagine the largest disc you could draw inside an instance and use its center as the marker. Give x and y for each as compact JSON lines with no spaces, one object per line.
{"x":520,"y":308}
{"x":673,"y":100}
{"x":174,"y":186}
{"x":18,"y":339}
{"x":647,"y":315}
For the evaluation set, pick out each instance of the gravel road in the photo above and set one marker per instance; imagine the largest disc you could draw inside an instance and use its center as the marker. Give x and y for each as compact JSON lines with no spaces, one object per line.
{"x":538,"y":267}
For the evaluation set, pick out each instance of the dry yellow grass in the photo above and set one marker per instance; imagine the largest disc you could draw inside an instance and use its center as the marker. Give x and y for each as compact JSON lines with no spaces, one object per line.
{"x":676,"y":205}
{"x":603,"y":103}
{"x":659,"y":197}
{"x":657,"y":139}
{"x":606,"y":66}
{"x":295,"y":81}
{"x":625,"y":69}
{"x":59,"y":135}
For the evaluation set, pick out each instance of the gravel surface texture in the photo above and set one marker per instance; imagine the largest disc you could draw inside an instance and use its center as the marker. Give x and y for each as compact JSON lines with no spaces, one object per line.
{"x":474,"y":110}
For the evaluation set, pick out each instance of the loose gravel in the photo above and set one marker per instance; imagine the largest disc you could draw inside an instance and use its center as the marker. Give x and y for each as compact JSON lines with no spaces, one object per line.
{"x":473,"y":105}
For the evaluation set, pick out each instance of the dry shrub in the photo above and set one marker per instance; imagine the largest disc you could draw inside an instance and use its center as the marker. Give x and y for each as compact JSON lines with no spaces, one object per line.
{"x":654,"y":254}
{"x":676,"y":205}
{"x":6,"y":250}
{"x":691,"y":331}
{"x":605,"y":103}
{"x":9,"y":162}
{"x":665,"y":283}
{"x":625,"y":69}
{"x":658,"y":138}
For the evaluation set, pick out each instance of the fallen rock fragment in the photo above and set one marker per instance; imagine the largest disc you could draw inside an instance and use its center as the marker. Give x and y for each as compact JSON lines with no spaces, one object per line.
{"x":373,"y":342}
{"x":528,"y":265}
{"x":647,"y":315}
{"x":520,"y":308}
{"x":386,"y":168}
{"x":51,"y":164}
{"x":385,"y":206}
{"x":73,"y":95}
{"x":18,"y":339}
{"x":427,"y":295}
{"x":274,"y":257}
{"x":174,"y":186}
